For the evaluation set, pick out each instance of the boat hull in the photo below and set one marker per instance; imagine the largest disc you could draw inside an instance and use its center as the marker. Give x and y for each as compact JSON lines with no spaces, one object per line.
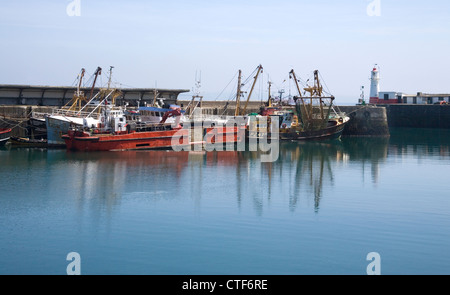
{"x":56,"y":128}
{"x":5,"y":134}
{"x":38,"y":127}
{"x":332,"y":132}
{"x":145,"y":140}
{"x":82,"y":141}
{"x":28,"y":143}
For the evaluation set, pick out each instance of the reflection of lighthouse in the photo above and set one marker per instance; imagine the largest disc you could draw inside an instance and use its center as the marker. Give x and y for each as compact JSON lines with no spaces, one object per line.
{"x":374,"y":85}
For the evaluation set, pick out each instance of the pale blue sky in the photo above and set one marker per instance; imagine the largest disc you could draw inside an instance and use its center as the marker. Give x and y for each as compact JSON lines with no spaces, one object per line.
{"x":166,"y":42}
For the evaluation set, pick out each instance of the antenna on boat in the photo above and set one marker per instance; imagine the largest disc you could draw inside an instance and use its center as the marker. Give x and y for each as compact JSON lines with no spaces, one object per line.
{"x":280,"y":92}
{"x":238,"y":95}
{"x":196,"y":94}
{"x":110,"y":75}
{"x":198,"y":81}
{"x":155,"y":94}
{"x":270,"y":98}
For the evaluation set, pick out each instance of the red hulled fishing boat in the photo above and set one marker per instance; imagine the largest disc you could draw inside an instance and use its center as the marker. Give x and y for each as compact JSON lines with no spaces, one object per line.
{"x":115,"y":134}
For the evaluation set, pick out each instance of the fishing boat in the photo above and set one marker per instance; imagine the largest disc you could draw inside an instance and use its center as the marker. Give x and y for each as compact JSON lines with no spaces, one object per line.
{"x":314,"y":117}
{"x":37,"y":125}
{"x":116,"y":134}
{"x":193,"y":112}
{"x":5,"y":134}
{"x":80,"y":111}
{"x":141,"y":137}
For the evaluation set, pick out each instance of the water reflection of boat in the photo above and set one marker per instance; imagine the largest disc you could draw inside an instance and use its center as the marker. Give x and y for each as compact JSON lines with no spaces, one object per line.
{"x":362,"y":149}
{"x":224,"y":158}
{"x":108,"y":175}
{"x":166,"y":160}
{"x":311,"y":164}
{"x":307,"y":169}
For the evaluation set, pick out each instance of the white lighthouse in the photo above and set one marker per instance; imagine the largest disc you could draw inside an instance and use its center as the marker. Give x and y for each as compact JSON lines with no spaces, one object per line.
{"x":375,"y":85}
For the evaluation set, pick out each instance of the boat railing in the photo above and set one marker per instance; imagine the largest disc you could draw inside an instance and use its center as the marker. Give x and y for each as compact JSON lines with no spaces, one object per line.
{"x":38,"y":115}
{"x":70,"y":113}
{"x":153,"y":126}
{"x":217,"y":119}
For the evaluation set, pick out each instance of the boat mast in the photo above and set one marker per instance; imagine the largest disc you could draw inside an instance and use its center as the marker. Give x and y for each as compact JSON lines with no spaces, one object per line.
{"x":79,"y":82}
{"x":318,"y":87}
{"x":110,"y":74}
{"x":155,"y":95}
{"x":79,"y":87}
{"x":318,"y":91}
{"x":280,"y":92}
{"x":269,"y":103}
{"x":238,"y":95}
{"x":77,"y":97}
{"x":97,"y":73}
{"x":260,"y":68}
{"x":191,"y":107}
{"x":198,"y":85}
{"x":292,"y":75}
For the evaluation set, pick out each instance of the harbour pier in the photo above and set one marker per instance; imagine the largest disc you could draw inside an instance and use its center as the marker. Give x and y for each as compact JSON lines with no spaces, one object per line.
{"x":418,"y":116}
{"x":364,"y":120}
{"x":18,"y":102}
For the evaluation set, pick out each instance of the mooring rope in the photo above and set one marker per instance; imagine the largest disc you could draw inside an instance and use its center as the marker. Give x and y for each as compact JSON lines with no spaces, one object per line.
{"x":18,"y":124}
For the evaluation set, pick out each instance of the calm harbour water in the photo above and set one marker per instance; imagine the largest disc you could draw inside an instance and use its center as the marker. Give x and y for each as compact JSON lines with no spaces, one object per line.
{"x":319,"y":209}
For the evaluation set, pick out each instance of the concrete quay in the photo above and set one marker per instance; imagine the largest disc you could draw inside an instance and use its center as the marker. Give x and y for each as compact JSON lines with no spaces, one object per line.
{"x":364,"y":120}
{"x":419,"y":116}
{"x":17,"y":117}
